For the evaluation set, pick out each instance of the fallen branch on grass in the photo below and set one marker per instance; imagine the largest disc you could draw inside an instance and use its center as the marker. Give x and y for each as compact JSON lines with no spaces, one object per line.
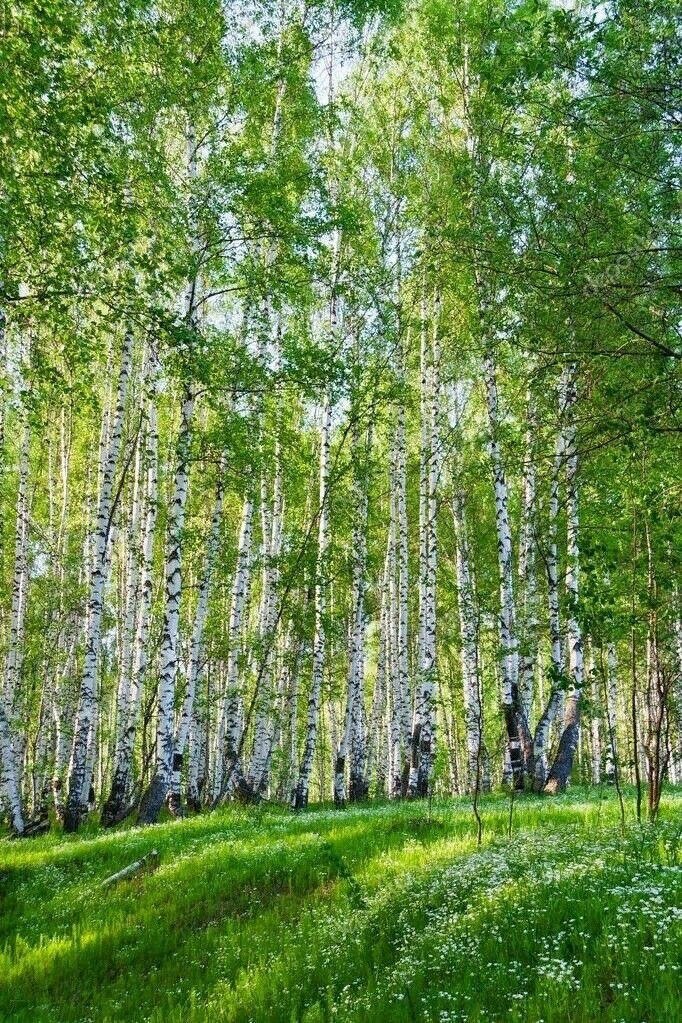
{"x":145,"y":865}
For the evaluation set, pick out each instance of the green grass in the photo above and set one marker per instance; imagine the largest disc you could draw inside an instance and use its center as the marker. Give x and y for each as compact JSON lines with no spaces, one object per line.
{"x":372,"y":914}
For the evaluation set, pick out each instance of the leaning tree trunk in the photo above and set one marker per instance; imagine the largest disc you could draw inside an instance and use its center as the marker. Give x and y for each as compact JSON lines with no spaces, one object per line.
{"x":568,"y":743}
{"x":76,"y":804}
{"x":301,"y":792}
{"x":130,"y":602}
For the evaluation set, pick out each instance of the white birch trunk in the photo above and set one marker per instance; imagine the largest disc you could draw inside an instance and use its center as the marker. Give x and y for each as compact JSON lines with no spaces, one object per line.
{"x":76,"y":805}
{"x":10,"y":745}
{"x":509,"y":653}
{"x":568,"y":744}
{"x":272,"y":525}
{"x":611,"y":712}
{"x":196,"y":649}
{"x":423,"y":726}
{"x":478,"y":778}
{"x":389,"y":642}
{"x":555,"y":701}
{"x":352,"y":746}
{"x":131,"y":600}
{"x":300,"y":795}
{"x":527,"y":572}
{"x":227,"y":737}
{"x":160,"y":785}
{"x":595,"y":723}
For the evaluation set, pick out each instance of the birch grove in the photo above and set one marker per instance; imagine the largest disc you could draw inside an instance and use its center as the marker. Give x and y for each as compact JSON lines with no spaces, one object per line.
{"x":244,"y":553}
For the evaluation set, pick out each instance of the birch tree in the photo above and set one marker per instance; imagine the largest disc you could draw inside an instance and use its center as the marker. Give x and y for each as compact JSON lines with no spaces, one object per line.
{"x":83,"y":731}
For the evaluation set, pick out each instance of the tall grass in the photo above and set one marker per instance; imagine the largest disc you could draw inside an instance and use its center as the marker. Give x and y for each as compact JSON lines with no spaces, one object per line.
{"x":378,"y":913}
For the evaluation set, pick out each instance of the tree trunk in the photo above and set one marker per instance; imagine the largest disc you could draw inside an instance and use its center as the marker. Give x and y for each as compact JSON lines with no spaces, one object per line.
{"x":527,"y":571}
{"x":226,"y":744}
{"x":477,"y":754}
{"x":159,"y":787}
{"x":196,"y":650}
{"x":352,"y":743}
{"x":563,"y":762}
{"x":77,"y":800}
{"x":423,"y":726}
{"x":300,"y":795}
{"x":518,"y":738}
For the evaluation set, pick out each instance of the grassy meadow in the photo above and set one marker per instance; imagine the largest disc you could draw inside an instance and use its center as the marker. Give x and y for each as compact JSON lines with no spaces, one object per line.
{"x":380,"y":913}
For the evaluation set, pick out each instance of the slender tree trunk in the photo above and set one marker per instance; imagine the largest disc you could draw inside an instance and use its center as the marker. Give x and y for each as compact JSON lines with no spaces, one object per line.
{"x":272,"y":531}
{"x":527,"y":571}
{"x":83,"y":731}
{"x":477,"y":754}
{"x":117,"y":804}
{"x":611,"y":712}
{"x":376,"y":753}
{"x":553,"y":707}
{"x":563,"y":762}
{"x":677,"y":684}
{"x":226,"y":748}
{"x":655,"y":745}
{"x":10,"y":746}
{"x":423,"y":726}
{"x":389,"y":639}
{"x":196,"y":650}
{"x":300,"y":796}
{"x":352,"y":743}
{"x":159,"y":787}
{"x":595,"y":721}
{"x":518,"y":738}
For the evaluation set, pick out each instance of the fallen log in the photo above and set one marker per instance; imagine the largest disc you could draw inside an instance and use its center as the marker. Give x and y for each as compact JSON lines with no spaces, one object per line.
{"x":145,"y":865}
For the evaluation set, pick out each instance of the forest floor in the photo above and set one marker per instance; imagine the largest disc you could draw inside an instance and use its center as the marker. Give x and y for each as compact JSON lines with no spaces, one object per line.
{"x":377,"y":913}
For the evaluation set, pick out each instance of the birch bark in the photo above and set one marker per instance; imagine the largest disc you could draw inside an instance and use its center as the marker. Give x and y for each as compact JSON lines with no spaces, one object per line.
{"x":76,"y":805}
{"x":477,"y":755}
{"x":518,"y":740}
{"x":300,"y":795}
{"x":423,"y":726}
{"x":555,"y":700}
{"x":159,"y":787}
{"x":563,"y":763}
{"x":527,"y":570}
{"x":227,"y":734}
{"x":10,"y":745}
{"x":197,"y":646}
{"x":353,"y":737}
{"x":611,"y":712}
